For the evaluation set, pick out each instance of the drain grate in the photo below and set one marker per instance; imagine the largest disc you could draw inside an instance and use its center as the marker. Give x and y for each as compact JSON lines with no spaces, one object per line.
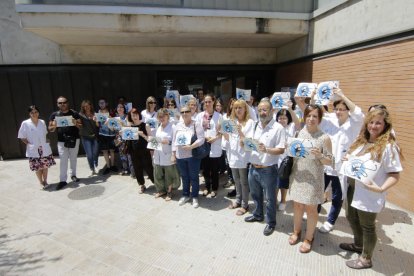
{"x":86,"y":192}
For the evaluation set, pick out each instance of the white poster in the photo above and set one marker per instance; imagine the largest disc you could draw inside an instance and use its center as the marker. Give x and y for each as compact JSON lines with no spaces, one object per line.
{"x":101,"y":117}
{"x":173,"y":95}
{"x":251,"y":144}
{"x":183,"y":138}
{"x":229,"y":126}
{"x":300,"y":148}
{"x":360,"y":168}
{"x":243,"y":94}
{"x":324,"y":92}
{"x":114,"y":124}
{"x":280,"y":100}
{"x":152,"y":122}
{"x":154,"y":143}
{"x":64,"y":121}
{"x":129,"y":133}
{"x":184,"y":99}
{"x":305,"y":89}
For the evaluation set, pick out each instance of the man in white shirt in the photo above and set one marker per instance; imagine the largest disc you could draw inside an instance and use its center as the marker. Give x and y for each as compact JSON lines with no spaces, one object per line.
{"x":263,"y":168}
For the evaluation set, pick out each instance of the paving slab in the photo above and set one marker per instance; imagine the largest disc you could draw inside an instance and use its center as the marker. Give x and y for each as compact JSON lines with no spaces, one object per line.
{"x":102,"y":226}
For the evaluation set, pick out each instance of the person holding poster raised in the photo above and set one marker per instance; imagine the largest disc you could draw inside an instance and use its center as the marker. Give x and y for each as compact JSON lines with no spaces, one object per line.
{"x":342,"y":126}
{"x":366,"y":195}
{"x":306,"y":179}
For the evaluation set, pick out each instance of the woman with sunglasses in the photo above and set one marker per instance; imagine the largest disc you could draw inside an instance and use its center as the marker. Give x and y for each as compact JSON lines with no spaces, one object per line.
{"x":33,"y":133}
{"x":173,"y":111}
{"x":306,"y":180}
{"x":150,"y":111}
{"x":188,"y":166}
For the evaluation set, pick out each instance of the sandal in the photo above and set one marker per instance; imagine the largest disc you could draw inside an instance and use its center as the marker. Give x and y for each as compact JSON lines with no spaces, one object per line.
{"x":306,"y":246}
{"x":359,"y":263}
{"x":351,"y":247}
{"x":241,"y":211}
{"x":234,"y":205}
{"x":205,"y":192}
{"x":212,"y":194}
{"x":157,"y":195}
{"x":169,"y":196}
{"x":294,"y":238}
{"x":142,"y":189}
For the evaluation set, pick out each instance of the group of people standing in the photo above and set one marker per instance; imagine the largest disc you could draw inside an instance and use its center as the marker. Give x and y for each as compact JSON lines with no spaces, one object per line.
{"x":335,"y":137}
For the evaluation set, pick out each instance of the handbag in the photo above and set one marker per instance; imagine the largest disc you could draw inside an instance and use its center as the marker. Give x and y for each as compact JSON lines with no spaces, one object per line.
{"x":201,"y":151}
{"x":285,"y":168}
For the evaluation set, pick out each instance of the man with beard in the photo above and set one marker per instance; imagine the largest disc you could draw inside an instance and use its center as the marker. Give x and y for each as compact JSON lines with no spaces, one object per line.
{"x":263,"y":168}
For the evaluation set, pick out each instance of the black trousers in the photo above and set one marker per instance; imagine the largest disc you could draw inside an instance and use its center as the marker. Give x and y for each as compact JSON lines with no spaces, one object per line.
{"x":210,"y":171}
{"x":141,"y":160}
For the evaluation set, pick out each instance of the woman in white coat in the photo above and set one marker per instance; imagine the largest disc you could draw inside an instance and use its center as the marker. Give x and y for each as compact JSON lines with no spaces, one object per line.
{"x":33,"y":133}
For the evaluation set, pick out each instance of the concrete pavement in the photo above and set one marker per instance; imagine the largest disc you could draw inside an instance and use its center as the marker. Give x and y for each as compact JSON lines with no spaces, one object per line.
{"x":102,"y":226}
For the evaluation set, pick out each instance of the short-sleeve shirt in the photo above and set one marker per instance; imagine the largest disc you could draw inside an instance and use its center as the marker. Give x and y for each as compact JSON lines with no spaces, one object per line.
{"x":272,"y":136}
{"x":72,"y":131}
{"x":370,"y":201}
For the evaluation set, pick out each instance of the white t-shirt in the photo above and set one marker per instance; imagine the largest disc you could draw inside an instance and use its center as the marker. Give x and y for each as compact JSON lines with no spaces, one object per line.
{"x":370,"y":201}
{"x":163,"y":157}
{"x":180,"y":153}
{"x":147,"y":115}
{"x":342,"y":136}
{"x":36,"y":136}
{"x":212,"y":131}
{"x":237,"y":157}
{"x":272,"y":136}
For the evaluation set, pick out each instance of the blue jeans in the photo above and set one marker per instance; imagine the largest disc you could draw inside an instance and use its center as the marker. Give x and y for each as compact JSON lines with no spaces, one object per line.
{"x":336,"y":198}
{"x":189,"y":169}
{"x":91,"y":148}
{"x":263,"y":186}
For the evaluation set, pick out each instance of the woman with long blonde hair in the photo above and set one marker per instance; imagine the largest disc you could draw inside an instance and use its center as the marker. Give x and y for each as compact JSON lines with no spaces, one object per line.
{"x":365,"y":199}
{"x":237,"y":157}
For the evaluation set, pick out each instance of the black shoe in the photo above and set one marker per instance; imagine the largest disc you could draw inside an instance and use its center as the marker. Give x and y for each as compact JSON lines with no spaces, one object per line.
{"x":61,"y":185}
{"x":74,"y":178}
{"x":252,"y":219}
{"x":268,"y":230}
{"x":106,"y":171}
{"x":114,"y":169}
{"x":232,"y":193}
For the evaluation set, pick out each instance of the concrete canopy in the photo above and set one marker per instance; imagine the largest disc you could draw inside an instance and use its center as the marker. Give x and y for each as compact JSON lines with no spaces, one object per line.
{"x":218,"y":33}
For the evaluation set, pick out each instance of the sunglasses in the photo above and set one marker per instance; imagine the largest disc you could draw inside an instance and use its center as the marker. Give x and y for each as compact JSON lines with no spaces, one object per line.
{"x":152,"y":102}
{"x":62,"y":102}
{"x":184,"y":112}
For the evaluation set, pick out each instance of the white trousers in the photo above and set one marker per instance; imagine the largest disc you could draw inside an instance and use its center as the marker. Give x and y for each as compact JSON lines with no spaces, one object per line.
{"x":66,"y":154}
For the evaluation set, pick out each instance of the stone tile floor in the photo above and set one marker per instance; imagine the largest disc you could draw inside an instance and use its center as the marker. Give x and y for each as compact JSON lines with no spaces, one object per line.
{"x":102,"y":226}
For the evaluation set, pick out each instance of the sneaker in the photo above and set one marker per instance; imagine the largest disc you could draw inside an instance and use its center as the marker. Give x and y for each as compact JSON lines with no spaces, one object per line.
{"x":74,"y":178}
{"x":125,"y":173}
{"x":282,"y":206}
{"x":106,"y":171}
{"x":326,"y":227}
{"x":183,"y":200}
{"x":114,"y":169}
{"x":61,"y":185}
{"x":305,"y":216}
{"x":195,"y":203}
{"x":92,"y":173}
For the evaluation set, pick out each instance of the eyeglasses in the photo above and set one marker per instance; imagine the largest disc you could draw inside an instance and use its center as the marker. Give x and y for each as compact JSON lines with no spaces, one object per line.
{"x":151,"y":102}
{"x":170,"y":104}
{"x":184,"y":112}
{"x":62,"y":102}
